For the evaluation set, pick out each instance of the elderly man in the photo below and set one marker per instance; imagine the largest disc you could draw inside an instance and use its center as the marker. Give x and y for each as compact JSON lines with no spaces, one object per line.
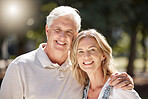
{"x":45,"y":72}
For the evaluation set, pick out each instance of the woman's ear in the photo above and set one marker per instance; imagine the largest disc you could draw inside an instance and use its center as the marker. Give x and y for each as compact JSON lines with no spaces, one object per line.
{"x":103,"y":57}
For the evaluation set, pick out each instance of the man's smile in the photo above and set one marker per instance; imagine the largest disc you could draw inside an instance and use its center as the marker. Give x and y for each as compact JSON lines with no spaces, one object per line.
{"x":60,"y":43}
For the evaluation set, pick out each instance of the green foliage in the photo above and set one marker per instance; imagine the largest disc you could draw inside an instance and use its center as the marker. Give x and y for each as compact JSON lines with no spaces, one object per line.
{"x":103,"y":15}
{"x":122,"y":46}
{"x":48,"y":7}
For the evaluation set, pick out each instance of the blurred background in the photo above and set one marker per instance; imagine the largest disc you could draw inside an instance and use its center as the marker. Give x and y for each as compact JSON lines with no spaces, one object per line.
{"x":123,"y":22}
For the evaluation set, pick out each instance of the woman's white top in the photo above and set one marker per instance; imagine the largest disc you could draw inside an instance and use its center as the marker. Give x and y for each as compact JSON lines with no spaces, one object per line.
{"x":109,"y":92}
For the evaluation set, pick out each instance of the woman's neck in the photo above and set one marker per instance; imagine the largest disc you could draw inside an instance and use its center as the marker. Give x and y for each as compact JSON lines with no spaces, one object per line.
{"x":96,"y":79}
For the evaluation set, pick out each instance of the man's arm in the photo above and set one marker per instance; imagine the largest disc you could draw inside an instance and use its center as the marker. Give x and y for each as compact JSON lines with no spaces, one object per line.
{"x":11,"y":87}
{"x":121,"y":80}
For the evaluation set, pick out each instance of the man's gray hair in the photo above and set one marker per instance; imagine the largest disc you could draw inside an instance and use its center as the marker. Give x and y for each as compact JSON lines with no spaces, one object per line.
{"x":62,"y":11}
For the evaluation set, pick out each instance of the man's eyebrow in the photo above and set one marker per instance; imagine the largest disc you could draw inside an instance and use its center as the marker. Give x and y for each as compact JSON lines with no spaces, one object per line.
{"x":70,"y":30}
{"x":57,"y":27}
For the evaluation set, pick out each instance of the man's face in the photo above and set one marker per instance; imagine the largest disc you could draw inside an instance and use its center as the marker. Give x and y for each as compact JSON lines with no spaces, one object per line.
{"x":60,"y":34}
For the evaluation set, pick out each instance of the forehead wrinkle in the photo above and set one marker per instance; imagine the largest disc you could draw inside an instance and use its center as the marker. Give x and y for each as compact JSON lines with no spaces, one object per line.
{"x":65,"y":28}
{"x":88,"y":47}
{"x":66,"y":25}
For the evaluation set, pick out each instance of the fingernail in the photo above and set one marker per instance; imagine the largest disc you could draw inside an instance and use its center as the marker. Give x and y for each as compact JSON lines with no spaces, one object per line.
{"x":116,"y":73}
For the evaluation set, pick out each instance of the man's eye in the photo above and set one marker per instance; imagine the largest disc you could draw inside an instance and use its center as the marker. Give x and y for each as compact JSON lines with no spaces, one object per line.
{"x":69,"y":33}
{"x":57,"y":30}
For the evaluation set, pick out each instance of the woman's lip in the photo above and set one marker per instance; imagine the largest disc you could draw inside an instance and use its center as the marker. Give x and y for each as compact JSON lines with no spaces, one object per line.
{"x":88,"y":63}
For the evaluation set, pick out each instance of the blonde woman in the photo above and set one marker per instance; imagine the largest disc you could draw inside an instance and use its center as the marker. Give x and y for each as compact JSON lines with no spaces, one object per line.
{"x":93,"y":65}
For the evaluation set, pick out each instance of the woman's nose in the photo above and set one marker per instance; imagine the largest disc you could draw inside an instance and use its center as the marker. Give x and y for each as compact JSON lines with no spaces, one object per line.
{"x":86,"y":54}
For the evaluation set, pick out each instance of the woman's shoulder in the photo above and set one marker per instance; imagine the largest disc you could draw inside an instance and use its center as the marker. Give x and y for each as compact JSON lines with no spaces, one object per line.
{"x":119,"y":93}
{"x":124,"y":94}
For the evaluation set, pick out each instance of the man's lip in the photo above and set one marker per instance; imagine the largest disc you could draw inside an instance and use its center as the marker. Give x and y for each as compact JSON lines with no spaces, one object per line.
{"x":60,"y":43}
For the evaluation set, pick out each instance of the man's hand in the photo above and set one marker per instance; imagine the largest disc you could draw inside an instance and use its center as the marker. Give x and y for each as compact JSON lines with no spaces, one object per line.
{"x":121,"y":80}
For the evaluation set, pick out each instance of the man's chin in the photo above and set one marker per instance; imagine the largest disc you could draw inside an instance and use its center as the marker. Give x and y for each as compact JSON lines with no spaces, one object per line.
{"x":60,"y":50}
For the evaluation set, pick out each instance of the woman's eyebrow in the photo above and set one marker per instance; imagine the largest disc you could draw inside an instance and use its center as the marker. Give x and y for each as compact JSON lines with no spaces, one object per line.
{"x":92,"y":46}
{"x":79,"y":49}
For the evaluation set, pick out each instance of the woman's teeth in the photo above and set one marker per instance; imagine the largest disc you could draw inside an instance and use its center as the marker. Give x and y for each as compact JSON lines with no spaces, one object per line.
{"x":87,"y":63}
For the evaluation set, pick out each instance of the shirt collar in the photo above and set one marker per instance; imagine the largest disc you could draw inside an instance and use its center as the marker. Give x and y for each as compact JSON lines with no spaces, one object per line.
{"x":46,"y":62}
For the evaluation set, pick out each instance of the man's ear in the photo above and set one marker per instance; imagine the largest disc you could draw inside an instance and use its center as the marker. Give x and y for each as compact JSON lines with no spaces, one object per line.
{"x":46,"y":29}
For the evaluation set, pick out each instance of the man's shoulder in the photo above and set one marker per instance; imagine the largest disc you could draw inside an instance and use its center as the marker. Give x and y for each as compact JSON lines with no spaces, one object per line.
{"x":25,"y":58}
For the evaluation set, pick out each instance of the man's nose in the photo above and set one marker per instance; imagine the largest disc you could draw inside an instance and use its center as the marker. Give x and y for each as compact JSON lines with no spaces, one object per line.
{"x":62,"y":34}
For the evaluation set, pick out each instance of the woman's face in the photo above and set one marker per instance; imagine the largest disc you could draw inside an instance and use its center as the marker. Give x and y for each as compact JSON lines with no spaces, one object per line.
{"x":89,"y":55}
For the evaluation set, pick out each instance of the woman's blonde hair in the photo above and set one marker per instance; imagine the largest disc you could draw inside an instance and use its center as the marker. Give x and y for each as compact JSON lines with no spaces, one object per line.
{"x":107,"y":64}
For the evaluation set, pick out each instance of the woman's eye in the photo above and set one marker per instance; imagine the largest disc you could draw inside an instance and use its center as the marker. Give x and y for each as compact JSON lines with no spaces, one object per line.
{"x":92,"y":50}
{"x":80,"y":52}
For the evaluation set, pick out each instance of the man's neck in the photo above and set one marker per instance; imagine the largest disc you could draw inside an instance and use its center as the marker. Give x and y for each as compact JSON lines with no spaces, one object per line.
{"x":56,"y":57}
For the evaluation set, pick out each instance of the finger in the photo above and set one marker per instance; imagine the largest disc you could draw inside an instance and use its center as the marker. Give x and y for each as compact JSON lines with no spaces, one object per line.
{"x":130,"y":79}
{"x":128,"y":87}
{"x":123,"y":74}
{"x":115,"y":76}
{"x":122,"y":77}
{"x":122,"y":84}
{"x":117,"y":81}
{"x":118,"y":75}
